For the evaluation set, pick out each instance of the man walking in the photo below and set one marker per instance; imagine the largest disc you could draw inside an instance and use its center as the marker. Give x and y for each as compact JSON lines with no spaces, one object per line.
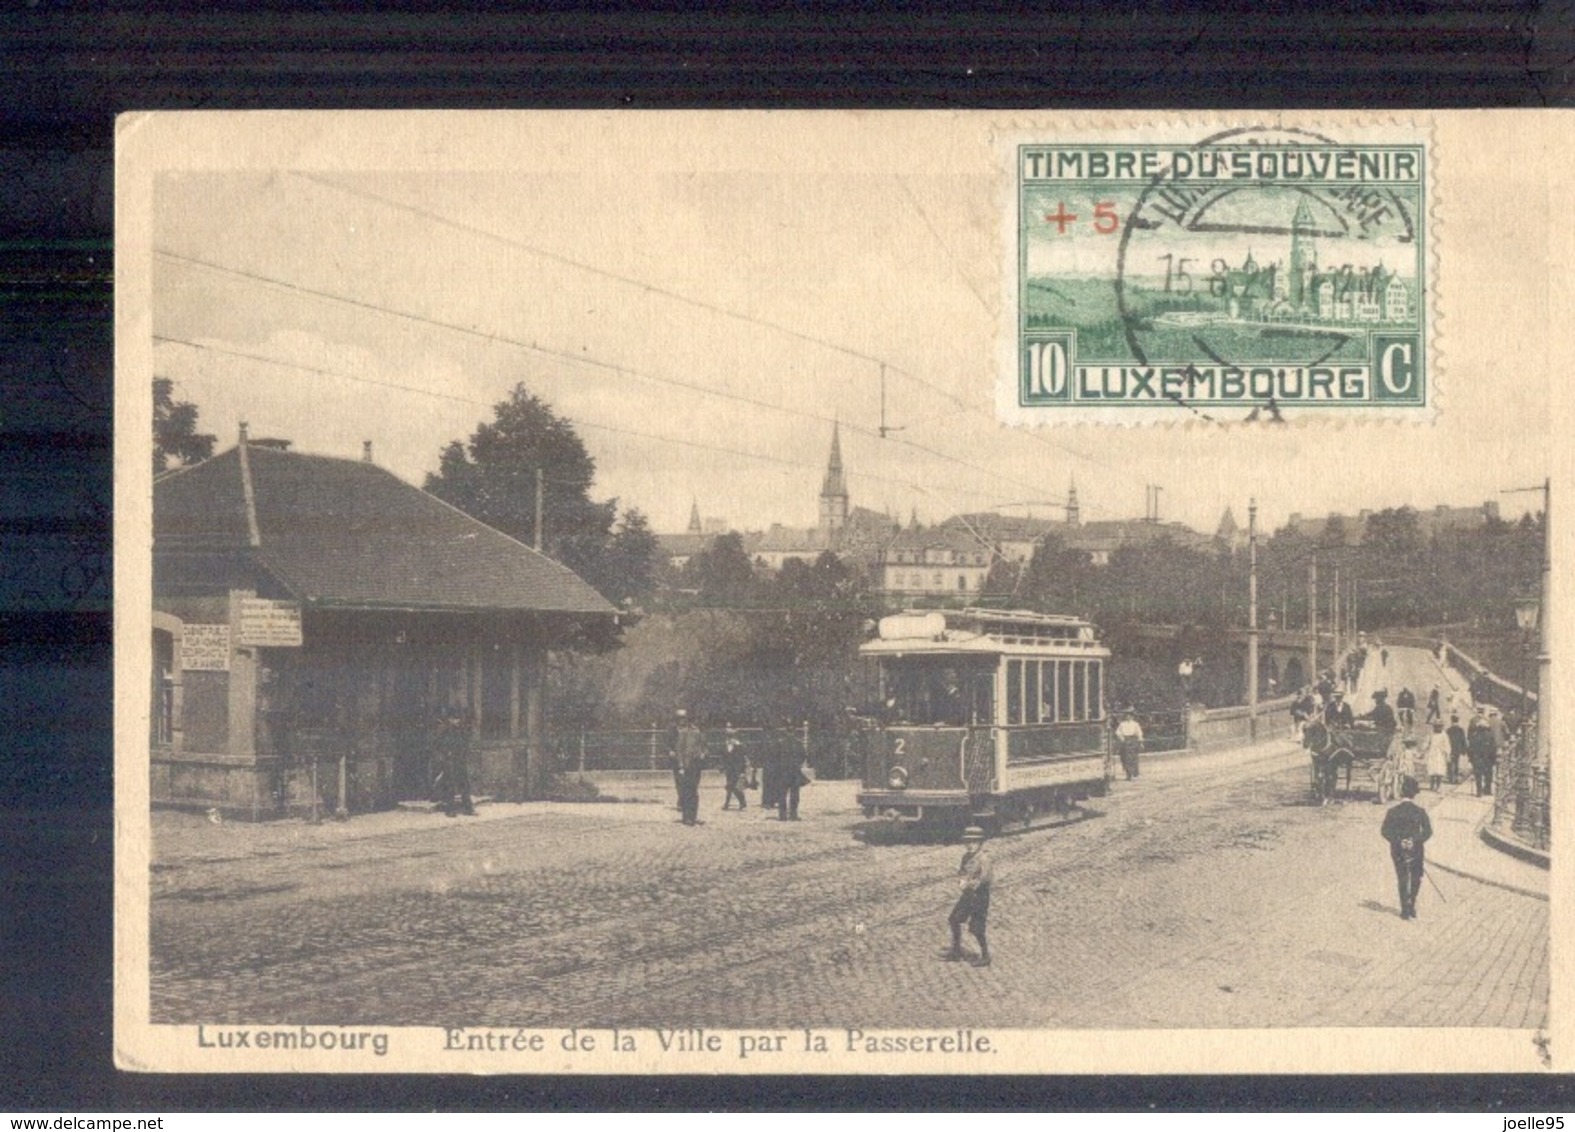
{"x":1405,"y":708}
{"x":975,"y":875}
{"x":1457,"y":747}
{"x":454,"y":763}
{"x":790,"y":779}
{"x":1407,"y":827}
{"x":691,"y":760}
{"x":733,"y":769}
{"x":1482,"y":750}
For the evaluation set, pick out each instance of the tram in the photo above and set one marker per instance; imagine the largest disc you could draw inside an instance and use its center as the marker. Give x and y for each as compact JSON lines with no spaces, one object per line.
{"x":989,"y":717}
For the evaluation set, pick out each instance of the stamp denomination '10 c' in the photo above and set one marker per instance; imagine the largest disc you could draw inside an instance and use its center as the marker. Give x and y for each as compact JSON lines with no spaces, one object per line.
{"x":1270,"y":272}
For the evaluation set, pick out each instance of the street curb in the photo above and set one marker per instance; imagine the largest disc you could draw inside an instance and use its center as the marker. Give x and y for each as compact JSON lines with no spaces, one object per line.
{"x":1505,"y":885}
{"x":1514,"y":849}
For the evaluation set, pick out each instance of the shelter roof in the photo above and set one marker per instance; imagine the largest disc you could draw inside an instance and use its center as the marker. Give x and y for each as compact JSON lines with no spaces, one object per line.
{"x":347,"y":533}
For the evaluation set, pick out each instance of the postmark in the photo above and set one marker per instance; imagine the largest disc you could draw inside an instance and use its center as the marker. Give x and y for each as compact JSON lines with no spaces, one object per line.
{"x":1253,"y":273}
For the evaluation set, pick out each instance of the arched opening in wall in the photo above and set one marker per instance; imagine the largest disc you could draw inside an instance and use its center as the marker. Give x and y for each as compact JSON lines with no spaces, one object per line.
{"x":162,"y":727}
{"x":1295,"y":676}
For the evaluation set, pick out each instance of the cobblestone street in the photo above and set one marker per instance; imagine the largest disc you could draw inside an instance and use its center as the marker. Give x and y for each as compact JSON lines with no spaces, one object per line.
{"x":1209,"y":893}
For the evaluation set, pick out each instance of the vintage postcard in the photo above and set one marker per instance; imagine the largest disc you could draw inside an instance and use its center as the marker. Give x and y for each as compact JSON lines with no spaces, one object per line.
{"x":852,"y":593}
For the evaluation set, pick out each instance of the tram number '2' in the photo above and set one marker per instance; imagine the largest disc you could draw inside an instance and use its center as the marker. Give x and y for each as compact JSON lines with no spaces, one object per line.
{"x":899,"y":745}
{"x":1047,"y":369}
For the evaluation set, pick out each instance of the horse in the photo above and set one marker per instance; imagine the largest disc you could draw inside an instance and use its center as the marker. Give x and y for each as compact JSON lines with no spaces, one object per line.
{"x":1328,"y":756}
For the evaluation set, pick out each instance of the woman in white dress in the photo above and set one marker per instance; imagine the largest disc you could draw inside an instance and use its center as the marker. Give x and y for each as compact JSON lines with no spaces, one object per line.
{"x":1437,"y":755}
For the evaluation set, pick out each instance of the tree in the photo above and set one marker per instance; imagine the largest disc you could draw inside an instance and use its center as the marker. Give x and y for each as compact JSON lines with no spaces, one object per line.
{"x":1057,"y":579}
{"x":630,"y":562}
{"x":1333,"y":533}
{"x":493,"y":478}
{"x":1394,"y":533}
{"x":175,"y":435}
{"x":722,"y":573}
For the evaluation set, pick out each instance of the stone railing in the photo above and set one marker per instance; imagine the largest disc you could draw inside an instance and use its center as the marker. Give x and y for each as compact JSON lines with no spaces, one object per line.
{"x":1232,"y":726}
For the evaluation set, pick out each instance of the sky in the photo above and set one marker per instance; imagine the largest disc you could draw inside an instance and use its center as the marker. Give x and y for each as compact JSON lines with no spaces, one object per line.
{"x":704,"y":321}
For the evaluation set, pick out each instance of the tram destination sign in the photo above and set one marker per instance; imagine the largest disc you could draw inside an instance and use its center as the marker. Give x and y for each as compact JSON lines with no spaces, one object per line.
{"x":262,"y":623}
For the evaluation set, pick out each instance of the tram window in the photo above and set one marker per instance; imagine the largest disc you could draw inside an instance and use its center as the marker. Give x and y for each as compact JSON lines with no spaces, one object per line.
{"x":1096,"y":697}
{"x":1047,"y":692}
{"x":1014,"y":691}
{"x":1079,"y":691}
{"x":1031,"y":695}
{"x":984,"y":697}
{"x":1063,"y":691}
{"x":934,"y":694}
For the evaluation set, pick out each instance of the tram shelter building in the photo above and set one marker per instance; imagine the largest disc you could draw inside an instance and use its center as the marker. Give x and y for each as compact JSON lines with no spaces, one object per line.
{"x":313,"y":618}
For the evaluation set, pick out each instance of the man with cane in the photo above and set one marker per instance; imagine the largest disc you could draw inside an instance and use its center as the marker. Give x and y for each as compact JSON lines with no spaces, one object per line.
{"x":1407,"y":827}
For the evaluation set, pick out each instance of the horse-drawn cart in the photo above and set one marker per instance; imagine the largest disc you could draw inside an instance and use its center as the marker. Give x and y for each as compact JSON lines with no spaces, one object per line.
{"x":1380,"y":754}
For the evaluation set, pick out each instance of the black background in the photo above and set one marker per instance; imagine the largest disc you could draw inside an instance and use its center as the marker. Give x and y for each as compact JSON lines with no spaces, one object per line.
{"x":66,"y":71}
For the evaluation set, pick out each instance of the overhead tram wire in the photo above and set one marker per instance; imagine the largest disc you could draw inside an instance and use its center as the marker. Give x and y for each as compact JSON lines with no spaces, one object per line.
{"x":701,"y":304}
{"x":565,"y":355}
{"x":702,"y":445}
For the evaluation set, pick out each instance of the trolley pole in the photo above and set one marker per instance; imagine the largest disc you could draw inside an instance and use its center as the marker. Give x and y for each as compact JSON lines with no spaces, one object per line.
{"x":1252,"y":620}
{"x":1336,"y":614}
{"x":1312,"y":621}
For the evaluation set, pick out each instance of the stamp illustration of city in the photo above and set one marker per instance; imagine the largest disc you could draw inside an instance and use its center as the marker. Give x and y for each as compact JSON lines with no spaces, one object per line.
{"x":1230,"y":275}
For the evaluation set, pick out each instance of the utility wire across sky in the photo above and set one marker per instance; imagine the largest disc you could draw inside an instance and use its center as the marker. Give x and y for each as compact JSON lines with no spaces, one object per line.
{"x":983,"y":411}
{"x":579,"y":421}
{"x":580,"y":359}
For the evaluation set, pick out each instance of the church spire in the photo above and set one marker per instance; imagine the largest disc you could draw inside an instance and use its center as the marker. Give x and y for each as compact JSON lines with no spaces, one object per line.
{"x":834,"y":488}
{"x":694,"y":517}
{"x":1074,"y":516}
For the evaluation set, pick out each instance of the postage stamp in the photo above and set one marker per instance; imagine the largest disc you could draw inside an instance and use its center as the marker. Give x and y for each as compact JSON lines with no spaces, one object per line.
{"x":1252,"y":272}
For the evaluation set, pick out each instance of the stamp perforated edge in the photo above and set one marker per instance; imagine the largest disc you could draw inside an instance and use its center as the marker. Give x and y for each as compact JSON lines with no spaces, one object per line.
{"x":1187,"y":128}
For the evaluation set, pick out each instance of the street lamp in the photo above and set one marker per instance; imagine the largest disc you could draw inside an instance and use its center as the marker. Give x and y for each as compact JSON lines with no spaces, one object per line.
{"x":1538,"y":614}
{"x":1252,"y":619}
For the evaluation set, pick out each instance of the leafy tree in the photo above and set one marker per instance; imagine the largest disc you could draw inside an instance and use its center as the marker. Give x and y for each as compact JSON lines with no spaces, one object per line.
{"x":1057,"y":579}
{"x":722,"y":573}
{"x":175,"y":435}
{"x":1394,"y":532}
{"x":1334,"y":533}
{"x":631,"y":559}
{"x":493,"y":476}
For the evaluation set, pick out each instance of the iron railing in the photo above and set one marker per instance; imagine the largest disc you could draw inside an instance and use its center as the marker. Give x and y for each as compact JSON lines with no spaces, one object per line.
{"x":1521,"y":792}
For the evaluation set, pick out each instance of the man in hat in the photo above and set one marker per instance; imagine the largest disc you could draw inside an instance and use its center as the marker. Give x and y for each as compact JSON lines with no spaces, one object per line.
{"x":1129,"y":742}
{"x":1407,"y":827}
{"x":680,"y":717}
{"x":733,"y":768}
{"x":1382,"y":716}
{"x":1482,"y":750}
{"x":690,"y":759}
{"x":1457,"y":747}
{"x":454,"y":763}
{"x":1337,"y":713}
{"x":975,"y":874}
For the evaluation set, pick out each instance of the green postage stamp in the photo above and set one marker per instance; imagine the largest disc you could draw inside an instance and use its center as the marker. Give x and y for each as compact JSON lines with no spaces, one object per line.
{"x":1256,"y":273}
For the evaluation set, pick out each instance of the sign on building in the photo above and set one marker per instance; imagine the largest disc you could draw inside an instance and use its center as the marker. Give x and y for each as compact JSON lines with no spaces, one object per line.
{"x":269,"y":624}
{"x":205,"y":648}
